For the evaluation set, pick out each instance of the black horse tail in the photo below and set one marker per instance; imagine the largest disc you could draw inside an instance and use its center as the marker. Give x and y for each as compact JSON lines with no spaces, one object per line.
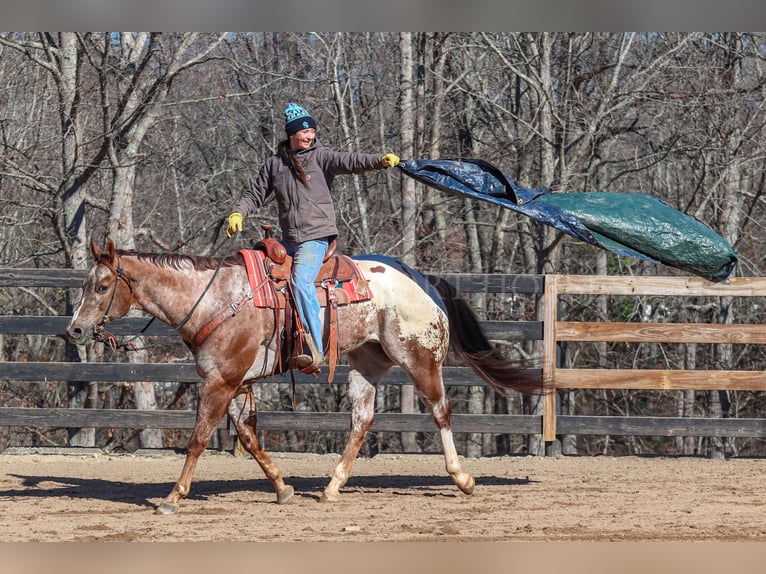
{"x":470,"y":344}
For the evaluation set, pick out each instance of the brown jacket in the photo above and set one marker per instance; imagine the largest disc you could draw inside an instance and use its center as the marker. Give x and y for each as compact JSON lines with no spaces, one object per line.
{"x":305,"y":212}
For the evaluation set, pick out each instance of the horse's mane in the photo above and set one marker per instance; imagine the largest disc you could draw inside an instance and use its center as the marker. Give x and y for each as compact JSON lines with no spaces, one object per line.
{"x":179,"y":261}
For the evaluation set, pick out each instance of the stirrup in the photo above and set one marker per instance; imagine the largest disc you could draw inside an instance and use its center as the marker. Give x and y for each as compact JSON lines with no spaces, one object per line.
{"x":303,"y":361}
{"x":305,"y":364}
{"x":308,"y":363}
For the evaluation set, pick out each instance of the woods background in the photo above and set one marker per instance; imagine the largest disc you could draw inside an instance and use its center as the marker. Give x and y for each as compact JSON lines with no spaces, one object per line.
{"x":151,"y":137}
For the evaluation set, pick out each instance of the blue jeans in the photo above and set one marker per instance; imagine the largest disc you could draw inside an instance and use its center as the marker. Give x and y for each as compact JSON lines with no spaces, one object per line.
{"x":307,"y":259}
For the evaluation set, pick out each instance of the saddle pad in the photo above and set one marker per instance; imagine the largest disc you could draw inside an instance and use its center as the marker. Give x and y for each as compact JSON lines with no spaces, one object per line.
{"x":265,"y":293}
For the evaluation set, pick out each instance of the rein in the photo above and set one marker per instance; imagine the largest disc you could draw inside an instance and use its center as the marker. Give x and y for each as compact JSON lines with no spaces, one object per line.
{"x":205,"y":290}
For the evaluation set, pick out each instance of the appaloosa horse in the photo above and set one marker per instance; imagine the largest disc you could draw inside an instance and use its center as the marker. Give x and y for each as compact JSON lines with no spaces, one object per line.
{"x":401,"y":325}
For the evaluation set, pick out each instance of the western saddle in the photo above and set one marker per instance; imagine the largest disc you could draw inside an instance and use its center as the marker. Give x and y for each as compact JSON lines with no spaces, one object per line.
{"x":339,"y":282}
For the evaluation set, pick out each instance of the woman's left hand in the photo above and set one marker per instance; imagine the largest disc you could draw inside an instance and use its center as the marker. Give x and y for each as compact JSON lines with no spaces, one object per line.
{"x":390,"y":160}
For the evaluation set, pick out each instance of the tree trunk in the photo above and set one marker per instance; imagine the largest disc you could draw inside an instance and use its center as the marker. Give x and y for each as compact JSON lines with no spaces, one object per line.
{"x":81,"y":394}
{"x":346,"y":115}
{"x":409,"y":203}
{"x":478,"y":301}
{"x":434,"y":214}
{"x":733,"y":213}
{"x":548,"y":255}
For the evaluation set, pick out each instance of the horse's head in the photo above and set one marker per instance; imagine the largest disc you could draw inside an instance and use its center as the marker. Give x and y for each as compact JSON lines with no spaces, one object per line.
{"x":107,"y":294}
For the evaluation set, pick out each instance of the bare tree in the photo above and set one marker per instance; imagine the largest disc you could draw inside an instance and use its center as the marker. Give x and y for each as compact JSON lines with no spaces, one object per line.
{"x":409,"y":196}
{"x":122,"y":71}
{"x":151,"y":138}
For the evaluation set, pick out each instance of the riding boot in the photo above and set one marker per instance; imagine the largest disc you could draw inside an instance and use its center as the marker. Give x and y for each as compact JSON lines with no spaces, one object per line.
{"x":309,"y":362}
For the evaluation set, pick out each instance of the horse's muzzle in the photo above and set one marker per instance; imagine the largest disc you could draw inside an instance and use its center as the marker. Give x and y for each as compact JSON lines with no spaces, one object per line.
{"x":77,"y":335}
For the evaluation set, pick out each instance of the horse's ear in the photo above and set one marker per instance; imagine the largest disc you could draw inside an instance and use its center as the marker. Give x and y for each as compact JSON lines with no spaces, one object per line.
{"x":110,"y":249}
{"x":94,"y":249}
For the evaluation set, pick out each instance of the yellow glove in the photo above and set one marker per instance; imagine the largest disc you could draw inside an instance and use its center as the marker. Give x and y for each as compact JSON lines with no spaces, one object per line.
{"x":235,"y":223}
{"x":389,"y":160}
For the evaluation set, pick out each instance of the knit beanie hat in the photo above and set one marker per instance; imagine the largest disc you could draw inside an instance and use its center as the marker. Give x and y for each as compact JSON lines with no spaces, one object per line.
{"x":297,"y":118}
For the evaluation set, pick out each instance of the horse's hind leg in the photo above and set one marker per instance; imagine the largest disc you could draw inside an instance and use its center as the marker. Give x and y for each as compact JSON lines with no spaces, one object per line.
{"x":368,"y":365}
{"x":244,"y":416}
{"x":430,"y":388}
{"x":463,"y":480}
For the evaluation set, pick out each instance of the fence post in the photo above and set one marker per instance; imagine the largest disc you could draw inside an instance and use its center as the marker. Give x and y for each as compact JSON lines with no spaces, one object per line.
{"x":550,"y":302}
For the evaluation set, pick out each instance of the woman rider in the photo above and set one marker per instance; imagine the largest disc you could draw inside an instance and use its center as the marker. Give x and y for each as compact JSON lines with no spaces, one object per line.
{"x":300,"y":175}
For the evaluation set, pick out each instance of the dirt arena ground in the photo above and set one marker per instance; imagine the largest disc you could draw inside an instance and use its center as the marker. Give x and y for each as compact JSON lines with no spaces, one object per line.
{"x":97,"y":497}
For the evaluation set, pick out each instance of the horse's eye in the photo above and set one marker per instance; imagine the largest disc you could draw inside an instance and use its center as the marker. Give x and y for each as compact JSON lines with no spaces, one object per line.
{"x":102,"y":289}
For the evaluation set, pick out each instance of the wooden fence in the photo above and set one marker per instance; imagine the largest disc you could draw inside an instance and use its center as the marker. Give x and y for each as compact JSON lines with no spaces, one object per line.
{"x":556,"y":330}
{"x":551,"y":331}
{"x":186,"y":373}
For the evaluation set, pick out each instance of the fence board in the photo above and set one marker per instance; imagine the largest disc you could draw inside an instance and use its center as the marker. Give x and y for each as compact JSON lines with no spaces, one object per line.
{"x":661,"y":332}
{"x":392,"y":422}
{"x":494,"y":283}
{"x":64,"y":278}
{"x":186,"y":373}
{"x":267,"y":420}
{"x":661,"y":426}
{"x":660,"y":380}
{"x":658,"y":285}
{"x":464,"y":282}
{"x":46,"y":325}
{"x":131,"y":326}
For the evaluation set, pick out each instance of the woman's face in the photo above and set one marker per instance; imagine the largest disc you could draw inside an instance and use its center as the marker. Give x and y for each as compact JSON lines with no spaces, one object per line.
{"x":302,"y":139}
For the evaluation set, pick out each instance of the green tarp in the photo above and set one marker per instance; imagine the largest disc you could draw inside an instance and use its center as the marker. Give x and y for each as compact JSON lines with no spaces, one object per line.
{"x":630,"y":224}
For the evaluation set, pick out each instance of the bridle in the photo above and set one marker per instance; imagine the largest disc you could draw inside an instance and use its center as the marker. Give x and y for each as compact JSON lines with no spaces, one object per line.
{"x":100,"y":334}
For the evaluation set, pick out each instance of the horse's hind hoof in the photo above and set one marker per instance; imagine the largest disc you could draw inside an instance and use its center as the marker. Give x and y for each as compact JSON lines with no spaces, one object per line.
{"x":284,"y":496}
{"x":329,"y":497}
{"x":166,"y":508}
{"x":466,"y":483}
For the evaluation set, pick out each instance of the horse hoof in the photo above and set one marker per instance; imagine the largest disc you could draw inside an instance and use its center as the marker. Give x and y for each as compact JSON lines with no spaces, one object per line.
{"x":329,"y":497}
{"x":284,"y":496}
{"x":465,"y":483}
{"x":166,"y":508}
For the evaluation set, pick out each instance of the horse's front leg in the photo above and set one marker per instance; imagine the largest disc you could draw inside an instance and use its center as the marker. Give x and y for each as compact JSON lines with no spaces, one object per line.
{"x":214,"y":398}
{"x":244,"y":416}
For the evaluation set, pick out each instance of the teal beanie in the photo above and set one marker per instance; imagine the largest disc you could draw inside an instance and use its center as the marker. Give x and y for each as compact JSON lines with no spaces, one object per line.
{"x":297,"y":118}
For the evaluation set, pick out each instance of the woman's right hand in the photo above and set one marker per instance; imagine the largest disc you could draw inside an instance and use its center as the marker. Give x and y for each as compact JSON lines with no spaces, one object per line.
{"x":235,"y":224}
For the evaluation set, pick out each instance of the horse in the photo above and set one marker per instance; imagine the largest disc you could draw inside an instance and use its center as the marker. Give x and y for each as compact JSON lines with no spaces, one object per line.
{"x":408,"y":322}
